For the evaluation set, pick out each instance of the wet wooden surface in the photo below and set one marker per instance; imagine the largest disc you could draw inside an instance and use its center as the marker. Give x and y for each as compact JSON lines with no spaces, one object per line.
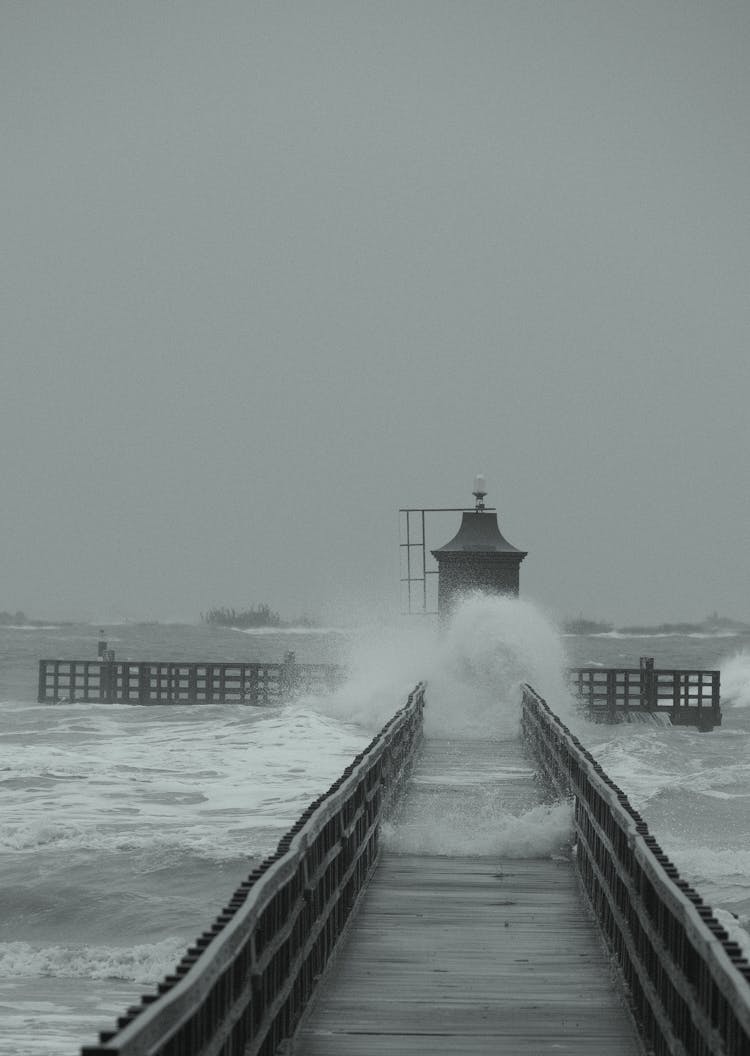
{"x":460,"y":953}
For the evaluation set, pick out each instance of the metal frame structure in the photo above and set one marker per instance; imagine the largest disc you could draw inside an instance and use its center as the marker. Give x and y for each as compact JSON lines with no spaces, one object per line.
{"x":405,"y":543}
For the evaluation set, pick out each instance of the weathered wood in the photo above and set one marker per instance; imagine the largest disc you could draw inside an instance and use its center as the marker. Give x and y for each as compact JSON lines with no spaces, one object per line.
{"x":166,"y":682}
{"x":687,"y":698}
{"x":469,"y":954}
{"x":687,"y":980}
{"x":242,"y":986}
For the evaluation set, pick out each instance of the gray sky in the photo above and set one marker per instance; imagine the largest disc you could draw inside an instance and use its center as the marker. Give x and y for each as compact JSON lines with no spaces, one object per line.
{"x":270,"y":271}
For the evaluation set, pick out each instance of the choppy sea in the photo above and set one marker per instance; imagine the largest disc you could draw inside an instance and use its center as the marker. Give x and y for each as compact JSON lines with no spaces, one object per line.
{"x":123,"y":829}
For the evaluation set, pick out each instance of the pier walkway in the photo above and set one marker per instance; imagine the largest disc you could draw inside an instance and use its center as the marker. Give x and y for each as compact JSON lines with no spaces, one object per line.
{"x":388,"y":922}
{"x":477,"y":953}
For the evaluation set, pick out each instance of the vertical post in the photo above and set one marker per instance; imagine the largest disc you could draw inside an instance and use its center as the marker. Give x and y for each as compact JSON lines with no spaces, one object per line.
{"x":289,"y":675}
{"x":42,"y":694}
{"x":193,"y":684}
{"x":144,"y":684}
{"x":648,"y":683}
{"x":250,"y":684}
{"x":408,"y":559}
{"x":611,"y":697}
{"x":424,"y":568}
{"x":107,"y":677}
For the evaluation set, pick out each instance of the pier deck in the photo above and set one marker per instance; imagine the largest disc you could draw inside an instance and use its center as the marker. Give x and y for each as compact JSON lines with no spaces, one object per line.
{"x":464,"y":953}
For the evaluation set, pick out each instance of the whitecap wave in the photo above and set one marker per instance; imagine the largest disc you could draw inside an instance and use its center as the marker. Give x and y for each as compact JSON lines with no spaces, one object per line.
{"x":473,"y":665}
{"x":265,"y":631}
{"x":538,"y":833}
{"x":735,"y":681}
{"x":146,"y":963}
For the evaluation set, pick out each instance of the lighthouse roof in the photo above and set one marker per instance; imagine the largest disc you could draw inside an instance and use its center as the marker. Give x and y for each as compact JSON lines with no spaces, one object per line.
{"x":479,"y":533}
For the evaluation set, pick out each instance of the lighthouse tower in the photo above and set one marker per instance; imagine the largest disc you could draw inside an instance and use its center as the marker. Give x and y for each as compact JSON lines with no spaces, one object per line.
{"x":478,"y":557}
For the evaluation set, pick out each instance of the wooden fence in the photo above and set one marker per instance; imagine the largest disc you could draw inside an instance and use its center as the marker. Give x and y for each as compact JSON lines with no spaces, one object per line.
{"x":242,"y":987}
{"x":688,"y":984}
{"x":163,"y":682}
{"x":687,"y":698}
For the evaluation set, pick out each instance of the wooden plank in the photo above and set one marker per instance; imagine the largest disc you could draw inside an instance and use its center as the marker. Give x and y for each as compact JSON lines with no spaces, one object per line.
{"x":474,"y":955}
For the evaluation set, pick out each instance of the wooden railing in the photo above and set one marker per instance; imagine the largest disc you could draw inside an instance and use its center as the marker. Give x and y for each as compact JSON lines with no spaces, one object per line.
{"x":164,"y":682}
{"x":687,"y":983}
{"x":242,"y":987}
{"x":687,"y":698}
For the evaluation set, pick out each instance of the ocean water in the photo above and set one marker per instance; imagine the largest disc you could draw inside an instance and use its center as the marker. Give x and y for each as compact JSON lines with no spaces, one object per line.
{"x":123,"y":829}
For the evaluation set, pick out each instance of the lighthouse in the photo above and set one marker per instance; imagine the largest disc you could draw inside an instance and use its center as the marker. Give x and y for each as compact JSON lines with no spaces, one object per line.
{"x":478,"y":557}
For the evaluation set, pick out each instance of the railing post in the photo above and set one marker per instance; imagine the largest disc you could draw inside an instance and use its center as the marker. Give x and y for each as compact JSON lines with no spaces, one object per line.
{"x":193,"y":683}
{"x":289,"y":675}
{"x":42,"y":694}
{"x":648,"y":683}
{"x":611,"y":696}
{"x":144,"y":684}
{"x":107,"y":678}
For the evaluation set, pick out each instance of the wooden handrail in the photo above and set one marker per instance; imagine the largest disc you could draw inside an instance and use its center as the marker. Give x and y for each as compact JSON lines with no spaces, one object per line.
{"x":688,"y":984}
{"x":244,"y":984}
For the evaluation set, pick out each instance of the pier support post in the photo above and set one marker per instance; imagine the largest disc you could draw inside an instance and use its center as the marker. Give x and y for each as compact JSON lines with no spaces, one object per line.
{"x":289,"y":675}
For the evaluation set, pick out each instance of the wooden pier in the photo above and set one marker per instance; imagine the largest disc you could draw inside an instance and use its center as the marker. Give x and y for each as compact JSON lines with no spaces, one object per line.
{"x":323,"y":950}
{"x":480,"y":954}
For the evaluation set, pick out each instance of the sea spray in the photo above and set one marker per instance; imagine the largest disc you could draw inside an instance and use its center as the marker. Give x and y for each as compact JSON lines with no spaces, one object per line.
{"x":451,"y":829}
{"x":473,"y":664}
{"x":477,"y":800}
{"x":384,"y":663}
{"x":489,"y":648}
{"x":735,"y":681}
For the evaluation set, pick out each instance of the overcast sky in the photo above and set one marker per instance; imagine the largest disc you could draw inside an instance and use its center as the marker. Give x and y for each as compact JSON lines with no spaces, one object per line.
{"x":270,"y":271}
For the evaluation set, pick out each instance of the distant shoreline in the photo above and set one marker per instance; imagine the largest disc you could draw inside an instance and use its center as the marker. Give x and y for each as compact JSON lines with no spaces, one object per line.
{"x":20,"y":619}
{"x":254,"y":620}
{"x":712,"y":625}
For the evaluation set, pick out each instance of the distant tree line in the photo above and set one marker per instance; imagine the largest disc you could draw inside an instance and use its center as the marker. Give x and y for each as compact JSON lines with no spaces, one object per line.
{"x":258,"y":616}
{"x":13,"y":619}
{"x":583,"y":625}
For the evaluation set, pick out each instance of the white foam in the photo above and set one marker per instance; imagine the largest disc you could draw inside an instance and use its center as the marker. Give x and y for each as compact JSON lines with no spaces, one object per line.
{"x":31,"y":627}
{"x":146,"y":963}
{"x":474,"y":666}
{"x":489,"y":648}
{"x":216,"y":782}
{"x":736,"y":929}
{"x":664,"y":634}
{"x":735,"y":681}
{"x":264,"y":631}
{"x":538,"y":833}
